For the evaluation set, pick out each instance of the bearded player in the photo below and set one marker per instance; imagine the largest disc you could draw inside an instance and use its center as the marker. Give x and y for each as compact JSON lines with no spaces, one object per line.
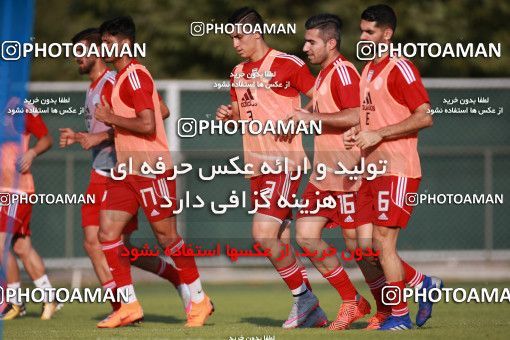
{"x":336,"y":105}
{"x":394,"y":108}
{"x":134,"y":110}
{"x":99,"y":139}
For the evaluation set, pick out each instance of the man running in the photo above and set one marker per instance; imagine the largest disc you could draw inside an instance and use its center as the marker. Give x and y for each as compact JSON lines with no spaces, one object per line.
{"x":99,"y":139}
{"x":272,"y":103}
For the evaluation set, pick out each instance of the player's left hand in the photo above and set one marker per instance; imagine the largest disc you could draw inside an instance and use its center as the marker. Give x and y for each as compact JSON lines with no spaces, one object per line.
{"x":25,"y":161}
{"x":366,"y":139}
{"x":103,"y":111}
{"x":88,"y":140}
{"x":301,"y":115}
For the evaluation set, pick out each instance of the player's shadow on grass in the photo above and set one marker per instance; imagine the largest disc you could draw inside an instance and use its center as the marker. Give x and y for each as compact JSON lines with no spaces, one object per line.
{"x":157,"y":318}
{"x":162,"y":318}
{"x":262,"y":321}
{"x":33,"y":315}
{"x":359,"y":325}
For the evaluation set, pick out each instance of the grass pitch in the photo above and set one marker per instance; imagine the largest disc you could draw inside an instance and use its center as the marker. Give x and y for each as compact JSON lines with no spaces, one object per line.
{"x":252,"y":311}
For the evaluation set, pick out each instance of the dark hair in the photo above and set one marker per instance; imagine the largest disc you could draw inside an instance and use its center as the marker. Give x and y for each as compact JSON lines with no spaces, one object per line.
{"x":246,"y":15}
{"x":383,"y":15}
{"x":123,"y":26}
{"x":328,"y":24}
{"x":90,"y":35}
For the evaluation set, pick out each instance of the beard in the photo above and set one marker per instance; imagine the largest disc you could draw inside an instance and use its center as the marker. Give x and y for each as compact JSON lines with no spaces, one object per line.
{"x":86,"y":68}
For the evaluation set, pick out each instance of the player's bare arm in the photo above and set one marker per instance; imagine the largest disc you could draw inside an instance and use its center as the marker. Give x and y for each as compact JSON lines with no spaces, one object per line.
{"x":144,"y":123}
{"x":165,"y":111}
{"x":420,"y":119}
{"x":342,"y":119}
{"x":43,"y":144}
{"x":89,"y":140}
{"x":307,"y":108}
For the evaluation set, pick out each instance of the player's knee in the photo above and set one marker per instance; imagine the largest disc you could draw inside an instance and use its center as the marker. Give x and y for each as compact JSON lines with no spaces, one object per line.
{"x":364,"y":243}
{"x":21,"y":249}
{"x":166,"y":239}
{"x":305,"y":240}
{"x":285,"y":237}
{"x":381,"y":233}
{"x":351,"y":245}
{"x":91,"y":246}
{"x":386,"y":253}
{"x":104,"y":235}
{"x":165,"y":232}
{"x":257,"y":238}
{"x":264,"y":239}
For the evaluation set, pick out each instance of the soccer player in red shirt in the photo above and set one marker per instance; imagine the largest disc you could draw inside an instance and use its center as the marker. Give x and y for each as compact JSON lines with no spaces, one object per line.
{"x":16,"y":178}
{"x":336,"y":105}
{"x":271,"y":104}
{"x":99,"y":139}
{"x":394,"y":108}
{"x":139,"y":136}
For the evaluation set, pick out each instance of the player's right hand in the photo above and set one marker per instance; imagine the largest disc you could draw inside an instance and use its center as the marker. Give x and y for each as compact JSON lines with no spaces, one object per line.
{"x":350,"y":138}
{"x":25,"y":161}
{"x":67,"y":137}
{"x":224,"y":112}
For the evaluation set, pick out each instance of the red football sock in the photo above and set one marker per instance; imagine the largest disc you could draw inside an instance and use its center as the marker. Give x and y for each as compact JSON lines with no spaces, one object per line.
{"x":110,"y":285}
{"x":376,"y":287}
{"x":120,"y":267}
{"x":412,"y":276}
{"x":185,"y":265}
{"x":304,"y":274}
{"x":339,"y":279}
{"x":291,"y":275}
{"x":167,"y":271}
{"x":400,"y":308}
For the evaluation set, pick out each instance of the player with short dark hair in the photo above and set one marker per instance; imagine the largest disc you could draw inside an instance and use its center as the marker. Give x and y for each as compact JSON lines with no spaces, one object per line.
{"x":99,"y":139}
{"x":123,"y":27}
{"x":246,"y":15}
{"x":336,"y":105}
{"x":328,"y":27}
{"x":381,"y":15}
{"x":272,"y":104}
{"x":394,"y":108}
{"x":133,"y":109}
